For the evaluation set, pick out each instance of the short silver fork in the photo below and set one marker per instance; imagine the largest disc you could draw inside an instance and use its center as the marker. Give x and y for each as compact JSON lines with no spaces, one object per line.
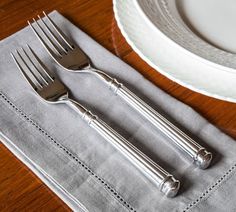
{"x":53,"y":91}
{"x":69,"y":56}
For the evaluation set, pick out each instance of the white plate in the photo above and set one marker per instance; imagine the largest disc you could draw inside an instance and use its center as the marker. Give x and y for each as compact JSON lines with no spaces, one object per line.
{"x":162,"y":54}
{"x":206,"y":28}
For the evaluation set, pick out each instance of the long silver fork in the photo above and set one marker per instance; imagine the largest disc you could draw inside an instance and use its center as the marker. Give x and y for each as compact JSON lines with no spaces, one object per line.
{"x":49,"y":88}
{"x":69,"y":56}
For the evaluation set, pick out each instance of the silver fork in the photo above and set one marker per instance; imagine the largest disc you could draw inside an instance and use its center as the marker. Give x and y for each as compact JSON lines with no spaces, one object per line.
{"x":53,"y":91}
{"x":69,"y":56}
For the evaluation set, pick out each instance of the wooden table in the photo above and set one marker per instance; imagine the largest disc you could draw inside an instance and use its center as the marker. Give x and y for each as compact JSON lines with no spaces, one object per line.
{"x":20,"y":189}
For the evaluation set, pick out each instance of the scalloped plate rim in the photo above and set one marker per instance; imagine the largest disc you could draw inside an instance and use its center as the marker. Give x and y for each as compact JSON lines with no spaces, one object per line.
{"x":155,"y":66}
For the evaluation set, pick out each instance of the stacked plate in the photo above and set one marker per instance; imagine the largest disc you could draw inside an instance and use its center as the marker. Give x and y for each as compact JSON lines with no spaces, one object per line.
{"x":191,"y":42}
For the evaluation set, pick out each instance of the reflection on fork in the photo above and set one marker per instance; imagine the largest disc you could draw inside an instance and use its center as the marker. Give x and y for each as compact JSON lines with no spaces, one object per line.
{"x":53,"y":91}
{"x":68,"y":55}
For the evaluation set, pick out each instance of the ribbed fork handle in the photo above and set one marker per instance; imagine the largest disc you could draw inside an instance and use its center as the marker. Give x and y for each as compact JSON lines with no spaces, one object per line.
{"x":199,"y":154}
{"x":165,"y":182}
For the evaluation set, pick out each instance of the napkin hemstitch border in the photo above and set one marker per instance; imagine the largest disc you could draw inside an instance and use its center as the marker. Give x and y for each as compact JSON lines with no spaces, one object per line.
{"x":101,"y":181}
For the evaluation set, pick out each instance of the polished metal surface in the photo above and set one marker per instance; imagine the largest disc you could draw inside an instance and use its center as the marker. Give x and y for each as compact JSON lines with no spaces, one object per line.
{"x":53,"y":91}
{"x":68,"y":55}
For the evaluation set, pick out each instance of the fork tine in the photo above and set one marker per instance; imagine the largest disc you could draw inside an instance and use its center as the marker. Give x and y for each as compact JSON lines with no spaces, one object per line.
{"x":30,"y":77}
{"x":41,"y":65}
{"x":52,"y":35}
{"x":60,"y":33}
{"x":48,"y":38}
{"x":42,"y":40}
{"x":45,"y":82}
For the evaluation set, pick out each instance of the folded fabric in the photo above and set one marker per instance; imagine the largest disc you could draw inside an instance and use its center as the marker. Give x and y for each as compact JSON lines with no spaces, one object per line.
{"x":84,"y":169}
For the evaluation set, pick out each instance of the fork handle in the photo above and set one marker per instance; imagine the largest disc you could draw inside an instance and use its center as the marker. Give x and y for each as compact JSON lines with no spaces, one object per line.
{"x":201,"y":157}
{"x":161,"y":178}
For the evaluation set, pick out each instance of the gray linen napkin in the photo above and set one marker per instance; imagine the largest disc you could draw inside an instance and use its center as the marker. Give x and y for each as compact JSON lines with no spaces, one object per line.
{"x":83,"y":168}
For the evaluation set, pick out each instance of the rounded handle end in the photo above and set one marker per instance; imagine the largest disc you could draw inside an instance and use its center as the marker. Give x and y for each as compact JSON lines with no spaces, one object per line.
{"x":203,"y":158}
{"x":171,"y":186}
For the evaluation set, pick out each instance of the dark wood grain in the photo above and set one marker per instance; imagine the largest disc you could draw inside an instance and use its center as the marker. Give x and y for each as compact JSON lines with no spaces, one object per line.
{"x":20,"y":189}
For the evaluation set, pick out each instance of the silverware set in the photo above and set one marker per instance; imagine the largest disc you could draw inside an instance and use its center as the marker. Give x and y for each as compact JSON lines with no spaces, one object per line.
{"x":67,"y":54}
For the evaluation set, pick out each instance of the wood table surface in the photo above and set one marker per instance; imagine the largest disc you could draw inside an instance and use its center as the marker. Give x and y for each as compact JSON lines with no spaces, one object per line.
{"x":20,"y":189}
